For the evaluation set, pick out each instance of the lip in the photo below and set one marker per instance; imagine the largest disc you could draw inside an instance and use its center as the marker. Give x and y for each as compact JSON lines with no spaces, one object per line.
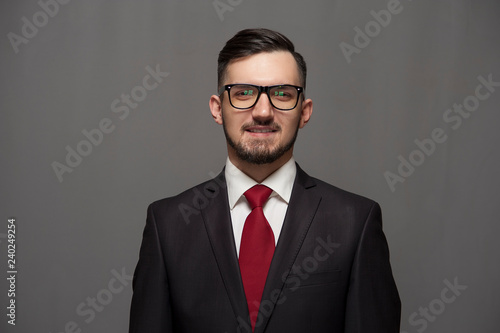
{"x":261,"y":131}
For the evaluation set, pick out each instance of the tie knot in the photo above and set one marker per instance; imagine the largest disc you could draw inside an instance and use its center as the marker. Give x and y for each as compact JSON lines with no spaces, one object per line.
{"x":257,"y":195}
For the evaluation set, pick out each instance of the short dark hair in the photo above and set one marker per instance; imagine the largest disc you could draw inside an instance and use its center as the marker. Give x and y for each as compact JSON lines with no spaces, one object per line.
{"x":253,"y":41}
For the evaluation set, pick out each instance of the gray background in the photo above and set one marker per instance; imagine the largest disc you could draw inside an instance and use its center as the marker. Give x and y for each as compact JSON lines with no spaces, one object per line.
{"x":441,"y":222}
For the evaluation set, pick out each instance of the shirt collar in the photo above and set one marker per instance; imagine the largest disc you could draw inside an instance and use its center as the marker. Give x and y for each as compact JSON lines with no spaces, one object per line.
{"x":280,"y":181}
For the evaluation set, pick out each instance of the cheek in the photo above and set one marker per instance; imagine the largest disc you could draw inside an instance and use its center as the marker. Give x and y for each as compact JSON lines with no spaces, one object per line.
{"x":289,"y":125}
{"x":233,"y":122}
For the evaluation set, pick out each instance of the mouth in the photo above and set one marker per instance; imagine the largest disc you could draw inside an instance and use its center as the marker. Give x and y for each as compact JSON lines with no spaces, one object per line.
{"x":261,"y":130}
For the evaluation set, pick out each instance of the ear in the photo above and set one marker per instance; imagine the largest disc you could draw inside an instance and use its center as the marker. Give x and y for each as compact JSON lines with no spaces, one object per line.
{"x":216,"y":108}
{"x":305,"y":115}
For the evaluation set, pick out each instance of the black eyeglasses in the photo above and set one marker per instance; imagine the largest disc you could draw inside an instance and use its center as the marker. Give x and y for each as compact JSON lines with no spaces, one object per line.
{"x":243,"y":96}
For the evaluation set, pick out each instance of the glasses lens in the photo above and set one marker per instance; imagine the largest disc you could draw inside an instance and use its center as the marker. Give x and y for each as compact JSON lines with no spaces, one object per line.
{"x":243,"y":96}
{"x":284,"y":97}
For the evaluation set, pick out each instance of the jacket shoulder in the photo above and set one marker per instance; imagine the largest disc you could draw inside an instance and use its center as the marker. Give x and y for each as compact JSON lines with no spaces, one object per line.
{"x":330,"y":191}
{"x":350,"y":207}
{"x":191,"y":201}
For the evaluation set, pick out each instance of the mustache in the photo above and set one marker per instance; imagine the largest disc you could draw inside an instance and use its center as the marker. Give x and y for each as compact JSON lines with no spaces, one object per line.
{"x":272,"y":124}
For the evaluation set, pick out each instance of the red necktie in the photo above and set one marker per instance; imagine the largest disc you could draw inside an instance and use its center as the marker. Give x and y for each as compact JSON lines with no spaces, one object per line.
{"x":256,"y":249}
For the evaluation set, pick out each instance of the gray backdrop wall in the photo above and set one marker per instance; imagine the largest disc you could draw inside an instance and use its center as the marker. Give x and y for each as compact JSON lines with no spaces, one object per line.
{"x":104,"y":108}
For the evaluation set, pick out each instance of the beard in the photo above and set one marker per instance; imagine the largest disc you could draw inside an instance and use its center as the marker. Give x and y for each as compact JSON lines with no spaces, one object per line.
{"x":257,"y":151}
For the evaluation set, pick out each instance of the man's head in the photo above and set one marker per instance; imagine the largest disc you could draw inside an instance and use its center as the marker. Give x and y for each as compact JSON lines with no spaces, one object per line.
{"x":253,"y":41}
{"x":260,"y":125}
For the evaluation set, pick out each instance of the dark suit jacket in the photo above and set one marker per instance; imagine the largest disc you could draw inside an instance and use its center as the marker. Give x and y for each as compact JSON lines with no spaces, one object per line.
{"x":330,"y":271}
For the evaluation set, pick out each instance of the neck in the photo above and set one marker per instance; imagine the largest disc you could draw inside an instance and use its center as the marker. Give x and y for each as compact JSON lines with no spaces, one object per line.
{"x":259,"y":172}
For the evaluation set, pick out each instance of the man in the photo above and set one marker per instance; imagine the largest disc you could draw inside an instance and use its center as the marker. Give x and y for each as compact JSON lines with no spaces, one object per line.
{"x":263,"y":247}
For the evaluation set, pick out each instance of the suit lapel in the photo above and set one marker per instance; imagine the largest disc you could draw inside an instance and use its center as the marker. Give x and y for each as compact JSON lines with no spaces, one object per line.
{"x":217,"y":221}
{"x":303,"y":204}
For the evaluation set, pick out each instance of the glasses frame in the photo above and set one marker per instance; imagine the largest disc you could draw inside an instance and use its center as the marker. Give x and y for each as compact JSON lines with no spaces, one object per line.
{"x":261,"y":89}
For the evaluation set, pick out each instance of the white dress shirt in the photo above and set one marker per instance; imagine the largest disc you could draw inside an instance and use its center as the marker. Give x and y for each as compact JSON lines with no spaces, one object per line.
{"x":280,"y":181}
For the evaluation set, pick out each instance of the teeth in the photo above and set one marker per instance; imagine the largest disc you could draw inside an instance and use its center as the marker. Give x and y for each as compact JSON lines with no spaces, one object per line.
{"x":261,"y":131}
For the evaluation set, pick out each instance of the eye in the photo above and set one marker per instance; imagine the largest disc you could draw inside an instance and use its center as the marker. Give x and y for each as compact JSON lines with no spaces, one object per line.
{"x":242,"y":92}
{"x":245,"y":92}
{"x":284,"y":93}
{"x":281,"y":93}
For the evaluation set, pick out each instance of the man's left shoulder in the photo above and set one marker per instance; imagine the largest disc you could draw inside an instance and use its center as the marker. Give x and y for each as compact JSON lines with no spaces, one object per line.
{"x":347,"y":206}
{"x":329,"y":190}
{"x":338,"y":198}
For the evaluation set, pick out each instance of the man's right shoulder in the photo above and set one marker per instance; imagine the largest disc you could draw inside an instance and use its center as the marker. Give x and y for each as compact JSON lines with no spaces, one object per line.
{"x":191,"y":201}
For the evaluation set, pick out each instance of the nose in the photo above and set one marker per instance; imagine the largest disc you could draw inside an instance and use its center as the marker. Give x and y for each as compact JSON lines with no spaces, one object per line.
{"x":263,"y":110}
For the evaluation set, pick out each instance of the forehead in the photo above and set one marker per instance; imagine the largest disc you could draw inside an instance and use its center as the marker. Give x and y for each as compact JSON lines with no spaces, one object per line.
{"x":265,"y":68}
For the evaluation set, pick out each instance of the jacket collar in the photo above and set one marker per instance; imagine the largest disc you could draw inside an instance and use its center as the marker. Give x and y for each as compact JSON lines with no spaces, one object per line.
{"x":303,"y":204}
